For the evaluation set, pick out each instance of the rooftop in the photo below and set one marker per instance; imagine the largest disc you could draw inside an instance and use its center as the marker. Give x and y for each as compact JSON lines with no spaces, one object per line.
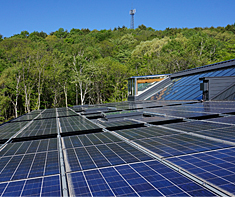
{"x":145,"y":148}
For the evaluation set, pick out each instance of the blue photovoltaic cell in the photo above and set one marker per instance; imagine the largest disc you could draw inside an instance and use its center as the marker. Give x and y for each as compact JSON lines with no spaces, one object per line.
{"x":85,"y":160}
{"x":2,"y":187}
{"x":51,"y":186}
{"x":78,"y":185}
{"x":117,"y":183}
{"x":8,"y":171}
{"x":52,"y":163}
{"x":216,"y":167}
{"x":24,"y":167}
{"x":32,"y":187}
{"x":97,"y":184}
{"x":14,"y":188}
{"x":45,"y":186}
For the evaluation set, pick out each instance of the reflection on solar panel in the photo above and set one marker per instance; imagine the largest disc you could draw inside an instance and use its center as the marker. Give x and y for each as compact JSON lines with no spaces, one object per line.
{"x":157,"y":120}
{"x":180,"y":113}
{"x":179,"y":145}
{"x":122,"y":114}
{"x":196,"y":126}
{"x":227,"y":133}
{"x":77,"y":124}
{"x":25,"y":118}
{"x":228,"y":119}
{"x":62,"y":153}
{"x":8,"y":130}
{"x":40,"y":128}
{"x":66,"y":113}
{"x":46,"y":115}
{"x":146,"y":132}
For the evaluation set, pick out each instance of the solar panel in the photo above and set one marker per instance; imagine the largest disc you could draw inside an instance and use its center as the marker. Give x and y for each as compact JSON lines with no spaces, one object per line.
{"x":227,"y":119}
{"x":179,"y":144}
{"x":46,"y":115}
{"x":142,"y":179}
{"x":227,"y":133}
{"x":83,"y":154}
{"x":145,"y":132}
{"x":43,"y":127}
{"x":9,"y":129}
{"x":216,"y":167}
{"x":194,"y":126}
{"x":182,"y":114}
{"x":27,"y":117}
{"x":66,"y":113}
{"x":123,"y":114}
{"x":157,"y":120}
{"x":77,"y":124}
{"x":27,"y":147}
{"x":17,"y":163}
{"x":44,"y":186}
{"x":35,"y":112}
{"x":133,"y":159}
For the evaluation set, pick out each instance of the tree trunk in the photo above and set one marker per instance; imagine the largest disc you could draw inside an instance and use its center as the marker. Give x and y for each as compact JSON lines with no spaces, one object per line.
{"x":17,"y":95}
{"x":66,"y":95}
{"x":76,"y":94}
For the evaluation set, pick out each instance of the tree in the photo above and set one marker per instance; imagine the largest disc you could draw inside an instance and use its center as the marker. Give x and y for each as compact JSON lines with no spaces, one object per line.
{"x":61,"y":33}
{"x":80,"y":67}
{"x":10,"y":85}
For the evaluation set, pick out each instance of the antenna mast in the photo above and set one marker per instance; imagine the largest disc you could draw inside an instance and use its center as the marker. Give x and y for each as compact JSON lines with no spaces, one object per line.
{"x":132,"y":13}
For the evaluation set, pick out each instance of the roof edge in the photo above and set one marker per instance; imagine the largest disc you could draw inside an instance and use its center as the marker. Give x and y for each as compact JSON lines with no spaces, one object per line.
{"x":209,"y":67}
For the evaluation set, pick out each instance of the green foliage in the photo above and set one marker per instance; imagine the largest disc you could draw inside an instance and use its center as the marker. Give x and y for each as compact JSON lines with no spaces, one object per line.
{"x":83,"y":66}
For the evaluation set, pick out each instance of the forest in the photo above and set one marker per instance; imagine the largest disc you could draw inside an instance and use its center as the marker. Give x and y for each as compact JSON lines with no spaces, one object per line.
{"x":80,"y":66}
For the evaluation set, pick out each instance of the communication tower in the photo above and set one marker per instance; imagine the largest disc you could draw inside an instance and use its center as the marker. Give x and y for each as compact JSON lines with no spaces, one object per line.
{"x":132,"y":13}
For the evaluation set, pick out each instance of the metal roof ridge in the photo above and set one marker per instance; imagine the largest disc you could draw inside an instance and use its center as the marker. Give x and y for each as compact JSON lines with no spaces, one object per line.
{"x":206,"y":66}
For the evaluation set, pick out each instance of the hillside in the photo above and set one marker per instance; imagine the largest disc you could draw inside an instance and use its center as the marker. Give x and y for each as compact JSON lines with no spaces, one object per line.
{"x":82,"y":66}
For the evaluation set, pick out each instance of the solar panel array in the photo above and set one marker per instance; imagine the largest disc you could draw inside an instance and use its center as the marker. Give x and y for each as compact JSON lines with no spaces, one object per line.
{"x":142,"y":148}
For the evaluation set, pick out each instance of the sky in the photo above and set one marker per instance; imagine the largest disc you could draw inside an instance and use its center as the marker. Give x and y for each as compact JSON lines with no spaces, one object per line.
{"x":50,"y":15}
